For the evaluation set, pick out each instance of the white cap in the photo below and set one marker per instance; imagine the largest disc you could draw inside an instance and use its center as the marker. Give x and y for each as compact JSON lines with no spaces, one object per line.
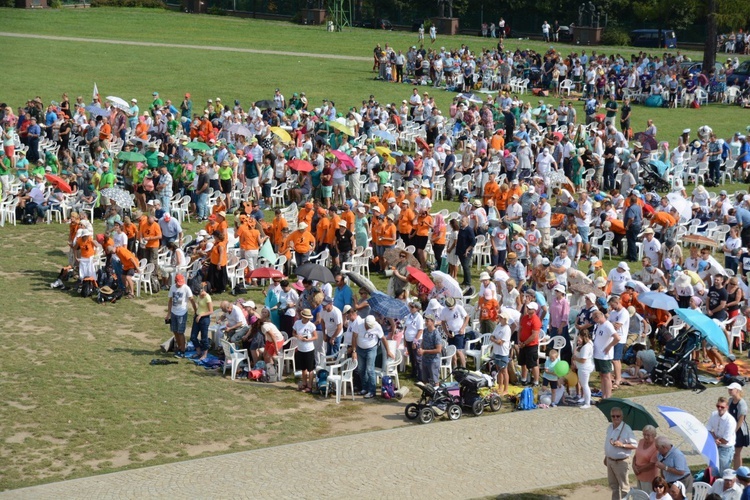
{"x":532,"y":306}
{"x":484,"y":276}
{"x":559,"y":288}
{"x":624,"y":266}
{"x":303,"y":225}
{"x":249,"y":303}
{"x":370,"y":321}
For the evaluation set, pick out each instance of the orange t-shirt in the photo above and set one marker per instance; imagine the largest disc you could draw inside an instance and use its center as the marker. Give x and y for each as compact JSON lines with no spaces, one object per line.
{"x":130,"y":230}
{"x":141,"y":130}
{"x":424,"y":224}
{"x":86,"y":246}
{"x":375,"y":230}
{"x":306,"y":215}
{"x":406,"y":221}
{"x":330,"y":236}
{"x":401,"y":196}
{"x":663,"y":219}
{"x":105,"y":132}
{"x":302,"y":241}
{"x":221,"y":228}
{"x":497,"y":142}
{"x":348,"y":216}
{"x":152,"y":231}
{"x":249,"y":237}
{"x":129,"y":261}
{"x":617,"y":226}
{"x":72,"y":230}
{"x":285,"y":249}
{"x":218,"y":255}
{"x":438,"y":238}
{"x":142,"y":222}
{"x":388,"y":234}
{"x":219,"y":207}
{"x":322,"y":229}
{"x":488,"y":309}
{"x":491,"y":190}
{"x":277,"y":226}
{"x":501,"y":199}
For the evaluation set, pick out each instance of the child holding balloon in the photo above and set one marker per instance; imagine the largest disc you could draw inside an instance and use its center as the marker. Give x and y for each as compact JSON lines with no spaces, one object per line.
{"x":554,"y":368}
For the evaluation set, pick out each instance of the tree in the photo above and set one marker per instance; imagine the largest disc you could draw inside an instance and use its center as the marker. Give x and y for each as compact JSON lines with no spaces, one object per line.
{"x":709,"y":48}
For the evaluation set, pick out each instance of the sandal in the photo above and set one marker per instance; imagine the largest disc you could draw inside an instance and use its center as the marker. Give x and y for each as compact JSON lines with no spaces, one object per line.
{"x":307,"y":389}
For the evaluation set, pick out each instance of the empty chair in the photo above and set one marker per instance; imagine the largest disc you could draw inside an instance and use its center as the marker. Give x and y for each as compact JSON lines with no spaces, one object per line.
{"x":233,"y":358}
{"x":340,"y":375}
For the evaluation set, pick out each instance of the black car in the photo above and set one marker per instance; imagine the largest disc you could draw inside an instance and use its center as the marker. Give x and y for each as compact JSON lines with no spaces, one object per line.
{"x":740,"y":75}
{"x":688,"y":67}
{"x":376,"y":24}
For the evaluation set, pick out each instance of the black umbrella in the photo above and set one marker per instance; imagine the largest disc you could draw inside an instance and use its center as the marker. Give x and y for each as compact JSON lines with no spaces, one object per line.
{"x":265,"y":104}
{"x":315,"y":272}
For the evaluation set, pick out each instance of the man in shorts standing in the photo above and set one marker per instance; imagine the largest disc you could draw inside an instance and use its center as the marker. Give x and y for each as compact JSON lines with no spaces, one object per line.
{"x":500,"y":339}
{"x":528,"y":342}
{"x":605,"y":340}
{"x":177,"y":312}
{"x":454,"y":320}
{"x":620,"y":320}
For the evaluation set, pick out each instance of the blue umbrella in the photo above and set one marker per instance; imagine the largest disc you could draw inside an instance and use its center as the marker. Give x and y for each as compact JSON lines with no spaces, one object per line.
{"x":693,"y":430}
{"x":387,"y":306}
{"x":658,"y":300}
{"x":96,"y":110}
{"x":709,"y":330}
{"x":397,"y":153}
{"x":385,"y":135}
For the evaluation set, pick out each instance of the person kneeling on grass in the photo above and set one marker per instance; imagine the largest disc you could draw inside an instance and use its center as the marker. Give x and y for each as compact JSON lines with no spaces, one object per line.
{"x":177,"y":312}
{"x":274,"y":340}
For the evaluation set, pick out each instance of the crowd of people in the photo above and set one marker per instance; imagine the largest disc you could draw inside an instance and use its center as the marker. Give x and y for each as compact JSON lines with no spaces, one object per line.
{"x":597,"y":75}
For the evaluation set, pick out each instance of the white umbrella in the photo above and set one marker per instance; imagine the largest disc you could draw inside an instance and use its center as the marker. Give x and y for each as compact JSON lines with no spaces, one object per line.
{"x":450,"y":284}
{"x":119,"y":103}
{"x":684,"y":208}
{"x":693,"y":430}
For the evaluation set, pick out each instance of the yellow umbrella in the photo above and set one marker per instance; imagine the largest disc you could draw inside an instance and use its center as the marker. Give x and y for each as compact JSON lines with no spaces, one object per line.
{"x":283,"y":134}
{"x":383,"y":151}
{"x":341,"y":127}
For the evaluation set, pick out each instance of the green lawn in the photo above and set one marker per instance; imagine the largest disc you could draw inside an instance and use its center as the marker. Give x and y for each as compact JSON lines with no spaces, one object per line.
{"x":79,"y":396}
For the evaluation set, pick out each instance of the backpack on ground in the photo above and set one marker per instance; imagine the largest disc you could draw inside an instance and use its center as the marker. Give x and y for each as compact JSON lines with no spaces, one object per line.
{"x":108,"y":294}
{"x":88,"y":286}
{"x":322,"y":381}
{"x":526,"y":399}
{"x":687,"y":376}
{"x":387,"y":391}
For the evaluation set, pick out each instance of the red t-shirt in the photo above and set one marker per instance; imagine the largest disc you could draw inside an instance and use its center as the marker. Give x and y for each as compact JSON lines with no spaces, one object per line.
{"x":528,"y":325}
{"x":731,"y":369}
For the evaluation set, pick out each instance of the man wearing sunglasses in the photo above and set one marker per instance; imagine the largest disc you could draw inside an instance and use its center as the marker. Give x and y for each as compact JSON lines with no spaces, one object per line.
{"x":618,"y":448}
{"x":722,"y":426}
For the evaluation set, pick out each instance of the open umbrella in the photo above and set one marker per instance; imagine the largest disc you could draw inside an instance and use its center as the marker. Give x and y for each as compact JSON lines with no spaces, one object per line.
{"x":633,"y":414}
{"x":680,"y":204}
{"x":266,"y":104}
{"x":343,"y":158}
{"x":96,"y":110}
{"x":266,"y":273}
{"x":345,"y":129}
{"x":693,"y":430}
{"x":658,"y":300}
{"x":391,"y":257}
{"x":315,"y":272}
{"x":383,"y":151}
{"x":388,"y":306}
{"x":450,"y":284}
{"x":120,"y":196}
{"x":709,"y":330}
{"x":283,"y":134}
{"x":119,"y":103}
{"x":200,"y":146}
{"x":59,"y":183}
{"x":697,"y":239}
{"x":384,"y":134}
{"x":646,"y":140}
{"x":420,"y":277}
{"x":130,"y":156}
{"x":243,"y":131}
{"x":300,"y":165}
{"x":361,"y":281}
{"x":471,"y":98}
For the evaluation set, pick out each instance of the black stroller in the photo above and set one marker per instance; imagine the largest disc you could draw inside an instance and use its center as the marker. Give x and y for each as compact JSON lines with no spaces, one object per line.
{"x":470,"y":385}
{"x":653,"y":178}
{"x":434,"y":402}
{"x":675,"y":367}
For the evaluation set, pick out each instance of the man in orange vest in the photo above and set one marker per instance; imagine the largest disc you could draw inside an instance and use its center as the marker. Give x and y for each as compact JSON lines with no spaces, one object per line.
{"x":406,"y":220}
{"x":303,"y":243}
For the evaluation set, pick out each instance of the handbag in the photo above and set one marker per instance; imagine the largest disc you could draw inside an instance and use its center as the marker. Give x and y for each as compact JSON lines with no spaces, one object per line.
{"x":444,"y":264}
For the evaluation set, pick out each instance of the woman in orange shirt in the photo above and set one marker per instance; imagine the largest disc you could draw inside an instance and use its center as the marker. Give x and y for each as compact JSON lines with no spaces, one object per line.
{"x":141,"y":130}
{"x":217,"y":268}
{"x":424,"y":226}
{"x":501,"y":200}
{"x":85,"y":245}
{"x":130,"y":230}
{"x":439,"y":230}
{"x":277,"y":227}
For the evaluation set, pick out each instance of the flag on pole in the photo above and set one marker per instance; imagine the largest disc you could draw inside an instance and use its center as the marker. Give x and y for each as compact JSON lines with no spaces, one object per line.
{"x":266,"y":251}
{"x":95,"y":97}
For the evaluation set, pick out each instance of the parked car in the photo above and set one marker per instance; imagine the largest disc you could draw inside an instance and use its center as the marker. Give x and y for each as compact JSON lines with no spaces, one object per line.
{"x":376,"y":24}
{"x":566,"y":33}
{"x":740,"y":75}
{"x":688,"y":67}
{"x":663,"y":39}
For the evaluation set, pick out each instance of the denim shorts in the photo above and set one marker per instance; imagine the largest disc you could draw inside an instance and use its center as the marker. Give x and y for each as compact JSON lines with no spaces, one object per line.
{"x":619,"y":348}
{"x":459,"y":341}
{"x":501,"y":361}
{"x":584,"y":232}
{"x":178,"y":323}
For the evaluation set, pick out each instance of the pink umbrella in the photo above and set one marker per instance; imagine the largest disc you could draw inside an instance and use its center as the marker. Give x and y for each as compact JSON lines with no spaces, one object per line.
{"x":343,"y":158}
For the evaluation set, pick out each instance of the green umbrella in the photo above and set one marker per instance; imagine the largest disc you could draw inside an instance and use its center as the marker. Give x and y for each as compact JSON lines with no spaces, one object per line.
{"x":633,"y":414}
{"x":130,"y":156}
{"x":201,"y":146}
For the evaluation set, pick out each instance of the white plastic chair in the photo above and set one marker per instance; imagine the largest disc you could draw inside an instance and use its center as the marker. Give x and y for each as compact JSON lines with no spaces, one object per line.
{"x":279,"y":358}
{"x":392,"y":366}
{"x":289,"y":349}
{"x":637,"y":495}
{"x":233,"y":358}
{"x":340,"y":380}
{"x":738,"y":324}
{"x":144,"y":279}
{"x":700,"y":490}
{"x":479,"y":352}
{"x":446,"y":362}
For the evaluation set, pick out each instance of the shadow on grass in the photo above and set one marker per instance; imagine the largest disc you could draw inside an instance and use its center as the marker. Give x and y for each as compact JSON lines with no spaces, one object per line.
{"x":137,"y":352}
{"x":529,"y":496}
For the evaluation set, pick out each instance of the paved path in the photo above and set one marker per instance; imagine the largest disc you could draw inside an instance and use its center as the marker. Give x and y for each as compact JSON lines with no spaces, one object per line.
{"x":183,"y":46}
{"x":470,"y":458}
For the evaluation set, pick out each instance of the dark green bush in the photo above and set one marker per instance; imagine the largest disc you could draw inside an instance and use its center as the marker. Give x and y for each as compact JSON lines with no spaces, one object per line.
{"x":150,"y":4}
{"x":615,"y":36}
{"x":217,"y":11}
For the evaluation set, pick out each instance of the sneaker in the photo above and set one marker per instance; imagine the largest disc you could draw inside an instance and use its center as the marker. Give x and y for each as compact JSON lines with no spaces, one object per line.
{"x":369,"y":395}
{"x":585,"y":407}
{"x":536,"y":385}
{"x":177,"y":355}
{"x":362,"y":393}
{"x":580,"y":400}
{"x":596,"y":394}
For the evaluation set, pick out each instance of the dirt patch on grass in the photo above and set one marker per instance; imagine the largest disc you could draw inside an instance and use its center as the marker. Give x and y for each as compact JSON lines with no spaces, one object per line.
{"x":18,"y":438}
{"x":144,"y":337}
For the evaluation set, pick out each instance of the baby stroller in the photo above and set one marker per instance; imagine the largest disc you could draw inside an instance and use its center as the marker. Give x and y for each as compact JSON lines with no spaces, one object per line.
{"x":434,"y":402}
{"x":675,"y":367}
{"x":471,"y":385}
{"x":654,"y":178}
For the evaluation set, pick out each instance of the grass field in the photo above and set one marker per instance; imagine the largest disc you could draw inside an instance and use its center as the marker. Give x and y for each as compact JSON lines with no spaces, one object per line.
{"x":79,"y":397}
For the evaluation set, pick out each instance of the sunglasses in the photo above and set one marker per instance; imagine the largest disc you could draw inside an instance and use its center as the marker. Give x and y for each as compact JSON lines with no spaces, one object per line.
{"x":720,"y":407}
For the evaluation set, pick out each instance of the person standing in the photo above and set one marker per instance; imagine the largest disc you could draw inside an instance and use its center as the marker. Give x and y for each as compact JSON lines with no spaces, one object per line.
{"x":413,"y":330}
{"x":464,"y":247}
{"x":306,"y":334}
{"x":738,"y":410}
{"x":332,"y":322}
{"x":605,"y":340}
{"x":528,"y":338}
{"x":633,"y":220}
{"x":366,"y":352}
{"x":618,"y":446}
{"x":722,"y":427}
{"x":455,"y":320}
{"x":672,"y":463}
{"x":644,"y":459}
{"x":430,"y":351}
{"x":203,"y":309}
{"x":584,"y":359}
{"x":177,"y":312}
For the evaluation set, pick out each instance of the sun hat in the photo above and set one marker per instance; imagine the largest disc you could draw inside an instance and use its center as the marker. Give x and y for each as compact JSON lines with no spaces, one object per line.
{"x":303,"y":225}
{"x":590,"y":297}
{"x":600,"y":281}
{"x":370,"y":321}
{"x":624,"y":266}
{"x":532,"y":306}
{"x":249,"y":303}
{"x":484,"y":276}
{"x":307,"y":314}
{"x":450,"y":302}
{"x":559,"y":288}
{"x":347,"y":308}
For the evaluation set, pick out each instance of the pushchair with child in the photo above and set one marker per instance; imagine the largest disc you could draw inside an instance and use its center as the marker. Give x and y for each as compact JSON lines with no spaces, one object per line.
{"x":434,"y":402}
{"x":654,"y":177}
{"x":675,"y":366}
{"x":475,"y":392}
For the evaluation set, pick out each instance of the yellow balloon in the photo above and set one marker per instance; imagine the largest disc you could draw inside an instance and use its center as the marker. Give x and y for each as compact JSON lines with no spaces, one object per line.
{"x":571,"y":378}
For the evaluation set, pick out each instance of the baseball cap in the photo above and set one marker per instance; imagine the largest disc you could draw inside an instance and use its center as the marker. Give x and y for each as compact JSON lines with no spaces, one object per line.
{"x":734,"y":385}
{"x":347,"y":308}
{"x":743,"y":472}
{"x":532,"y":306}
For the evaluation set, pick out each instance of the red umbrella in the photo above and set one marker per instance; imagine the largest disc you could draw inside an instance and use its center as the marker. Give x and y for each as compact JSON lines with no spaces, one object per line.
{"x":59,"y":183}
{"x":266,"y":273}
{"x":422,"y":143}
{"x":343,"y":158}
{"x":420,"y":277}
{"x":300,"y":165}
{"x":559,"y":135}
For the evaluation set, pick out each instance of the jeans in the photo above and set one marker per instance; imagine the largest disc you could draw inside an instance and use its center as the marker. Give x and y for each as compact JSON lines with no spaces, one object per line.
{"x":117,"y":267}
{"x":609,"y":177}
{"x":632,"y":236}
{"x":333,"y":349}
{"x":714,"y":168}
{"x":200,"y":326}
{"x":726,"y":454}
{"x":165,"y":203}
{"x":202,"y":205}
{"x":414,"y":359}
{"x":466,"y":266}
{"x":366,"y":367}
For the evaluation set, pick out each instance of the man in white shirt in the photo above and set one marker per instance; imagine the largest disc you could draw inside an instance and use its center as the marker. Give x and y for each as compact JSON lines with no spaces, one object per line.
{"x":620,"y":319}
{"x":726,"y":487}
{"x":354,"y":323}
{"x":236,"y":326}
{"x":583,"y":219}
{"x":544,"y":222}
{"x":651,"y":246}
{"x":454,"y":320}
{"x":722,"y":426}
{"x":605,"y":339}
{"x":177,"y":312}
{"x":332,"y":321}
{"x":618,"y":277}
{"x":413,"y":329}
{"x":618,"y":448}
{"x":560,"y":267}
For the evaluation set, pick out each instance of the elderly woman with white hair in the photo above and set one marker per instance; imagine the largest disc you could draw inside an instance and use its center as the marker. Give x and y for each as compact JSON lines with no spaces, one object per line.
{"x":644,"y":459}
